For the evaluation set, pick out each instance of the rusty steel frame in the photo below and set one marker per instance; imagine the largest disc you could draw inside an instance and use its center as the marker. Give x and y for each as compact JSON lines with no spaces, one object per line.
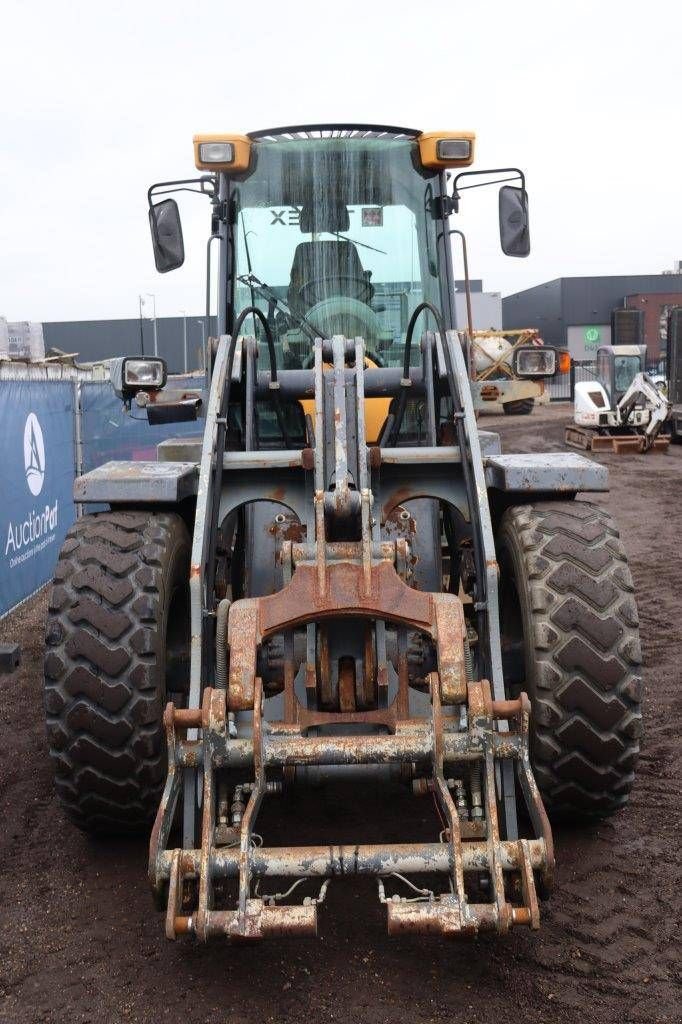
{"x":328,"y":581}
{"x":456,"y":856}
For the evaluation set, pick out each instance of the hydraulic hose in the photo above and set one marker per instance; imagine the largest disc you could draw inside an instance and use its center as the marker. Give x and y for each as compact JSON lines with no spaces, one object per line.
{"x":274,"y":384}
{"x":392,"y":434}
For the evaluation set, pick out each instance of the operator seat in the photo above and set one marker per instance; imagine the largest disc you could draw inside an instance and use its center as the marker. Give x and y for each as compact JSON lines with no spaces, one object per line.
{"x":326,"y":260}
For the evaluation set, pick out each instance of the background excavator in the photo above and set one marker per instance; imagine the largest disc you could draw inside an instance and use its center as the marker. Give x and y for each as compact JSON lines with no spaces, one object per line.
{"x":623,"y":410}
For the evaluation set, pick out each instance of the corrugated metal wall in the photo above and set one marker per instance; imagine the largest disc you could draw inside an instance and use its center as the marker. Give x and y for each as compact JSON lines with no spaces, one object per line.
{"x":554,"y":306}
{"x":101,"y":339}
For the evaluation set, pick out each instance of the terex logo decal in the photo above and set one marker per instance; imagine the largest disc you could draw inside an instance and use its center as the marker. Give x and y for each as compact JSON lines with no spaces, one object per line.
{"x":34,"y":454}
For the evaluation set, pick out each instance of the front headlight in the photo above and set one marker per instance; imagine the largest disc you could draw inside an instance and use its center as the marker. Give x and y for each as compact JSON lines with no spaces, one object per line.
{"x":130,"y":374}
{"x":533,"y":361}
{"x":142,"y":374}
{"x":216,"y":152}
{"x":453,"y":149}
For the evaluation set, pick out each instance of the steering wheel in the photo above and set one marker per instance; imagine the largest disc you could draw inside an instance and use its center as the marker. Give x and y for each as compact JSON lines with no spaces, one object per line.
{"x":364,"y":290}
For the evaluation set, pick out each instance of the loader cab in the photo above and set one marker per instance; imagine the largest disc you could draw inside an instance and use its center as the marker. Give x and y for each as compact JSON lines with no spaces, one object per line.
{"x":617,"y":367}
{"x":336,"y":236}
{"x":333,"y":230}
{"x":337,"y":231}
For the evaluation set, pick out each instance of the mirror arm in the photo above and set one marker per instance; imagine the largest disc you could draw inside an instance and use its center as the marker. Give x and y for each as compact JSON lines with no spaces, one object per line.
{"x":208,"y":186}
{"x":516,"y":172}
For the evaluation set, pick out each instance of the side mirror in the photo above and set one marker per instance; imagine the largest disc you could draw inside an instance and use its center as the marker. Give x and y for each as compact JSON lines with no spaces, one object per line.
{"x":169,"y":248}
{"x":514,"y":233}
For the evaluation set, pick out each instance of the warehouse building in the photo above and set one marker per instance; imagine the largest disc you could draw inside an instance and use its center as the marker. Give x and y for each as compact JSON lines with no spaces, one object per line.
{"x":179,"y":340}
{"x":575,"y":312}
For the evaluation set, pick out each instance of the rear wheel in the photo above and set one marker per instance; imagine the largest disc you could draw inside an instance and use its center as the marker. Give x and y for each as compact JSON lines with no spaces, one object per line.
{"x":117,"y":645}
{"x":521,"y":407}
{"x":568,"y":614}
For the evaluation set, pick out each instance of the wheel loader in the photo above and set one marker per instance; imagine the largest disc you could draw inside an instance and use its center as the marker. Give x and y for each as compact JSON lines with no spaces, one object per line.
{"x":344,"y":586}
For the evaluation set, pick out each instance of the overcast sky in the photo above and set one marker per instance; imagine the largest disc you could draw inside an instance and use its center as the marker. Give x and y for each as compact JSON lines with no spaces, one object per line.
{"x":101,"y":99}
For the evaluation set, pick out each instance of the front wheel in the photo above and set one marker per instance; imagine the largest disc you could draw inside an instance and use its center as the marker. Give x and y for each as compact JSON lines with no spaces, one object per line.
{"x":117,"y":641}
{"x":568,"y":614}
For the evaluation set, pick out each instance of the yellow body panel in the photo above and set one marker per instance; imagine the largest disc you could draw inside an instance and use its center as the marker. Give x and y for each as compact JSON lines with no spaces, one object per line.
{"x":428,"y":149}
{"x":376,"y":411}
{"x":242,"y":152}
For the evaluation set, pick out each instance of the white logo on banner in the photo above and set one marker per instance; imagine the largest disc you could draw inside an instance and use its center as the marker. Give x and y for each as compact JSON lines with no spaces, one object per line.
{"x":34,"y":454}
{"x":28,"y":537}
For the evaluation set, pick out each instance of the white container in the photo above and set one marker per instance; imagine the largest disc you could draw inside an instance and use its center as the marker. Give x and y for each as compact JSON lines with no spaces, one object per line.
{"x":22,"y":340}
{"x":487,"y":352}
{"x":4,"y":339}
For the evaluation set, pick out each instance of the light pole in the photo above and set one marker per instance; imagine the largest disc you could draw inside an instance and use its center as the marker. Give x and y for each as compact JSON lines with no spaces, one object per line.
{"x":142,"y":298}
{"x":140,"y":303}
{"x":203,"y":340}
{"x":184,"y":337}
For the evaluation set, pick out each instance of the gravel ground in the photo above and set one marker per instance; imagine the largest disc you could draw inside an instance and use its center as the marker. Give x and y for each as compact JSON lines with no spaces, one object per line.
{"x":82,"y":942}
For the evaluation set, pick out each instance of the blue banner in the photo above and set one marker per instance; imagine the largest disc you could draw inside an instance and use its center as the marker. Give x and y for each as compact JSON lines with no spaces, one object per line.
{"x":37,"y":458}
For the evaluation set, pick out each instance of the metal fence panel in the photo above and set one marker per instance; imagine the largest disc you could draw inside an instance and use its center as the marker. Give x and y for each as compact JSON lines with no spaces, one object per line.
{"x":562,"y":387}
{"x":108,"y":432}
{"x":37,"y":453}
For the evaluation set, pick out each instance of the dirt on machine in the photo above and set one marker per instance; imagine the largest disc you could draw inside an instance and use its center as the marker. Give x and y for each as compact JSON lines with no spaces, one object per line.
{"x":343,"y":583}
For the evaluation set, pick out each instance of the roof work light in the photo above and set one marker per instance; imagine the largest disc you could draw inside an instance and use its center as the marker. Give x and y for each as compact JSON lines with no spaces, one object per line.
{"x":222,"y":152}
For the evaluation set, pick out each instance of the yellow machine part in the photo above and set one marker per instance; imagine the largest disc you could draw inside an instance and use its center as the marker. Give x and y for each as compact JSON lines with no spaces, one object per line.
{"x":241,"y":147}
{"x":242,"y":144}
{"x":376,"y":410}
{"x":428,"y":149}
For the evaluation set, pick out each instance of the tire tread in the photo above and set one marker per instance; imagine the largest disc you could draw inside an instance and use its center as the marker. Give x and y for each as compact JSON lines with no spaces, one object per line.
{"x":586,"y":686}
{"x":104,"y":667}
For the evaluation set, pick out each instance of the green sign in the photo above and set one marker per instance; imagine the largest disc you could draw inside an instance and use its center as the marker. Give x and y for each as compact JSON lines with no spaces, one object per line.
{"x":592,"y":335}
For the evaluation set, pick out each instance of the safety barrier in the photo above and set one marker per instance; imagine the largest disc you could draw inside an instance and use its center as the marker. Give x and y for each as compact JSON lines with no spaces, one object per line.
{"x":56,"y":423}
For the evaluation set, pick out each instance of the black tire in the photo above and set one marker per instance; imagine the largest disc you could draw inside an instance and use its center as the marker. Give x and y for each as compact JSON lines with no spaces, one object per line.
{"x":117,"y":640}
{"x":567,"y":605}
{"x":521,"y":407}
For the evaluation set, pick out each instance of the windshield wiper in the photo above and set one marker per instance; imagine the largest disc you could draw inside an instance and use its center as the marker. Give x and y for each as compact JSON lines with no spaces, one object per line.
{"x":354,"y":241}
{"x":253,"y":283}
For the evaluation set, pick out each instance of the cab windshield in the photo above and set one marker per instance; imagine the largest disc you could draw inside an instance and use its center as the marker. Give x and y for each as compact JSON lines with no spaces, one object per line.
{"x":626,"y":369}
{"x":335,"y":236}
